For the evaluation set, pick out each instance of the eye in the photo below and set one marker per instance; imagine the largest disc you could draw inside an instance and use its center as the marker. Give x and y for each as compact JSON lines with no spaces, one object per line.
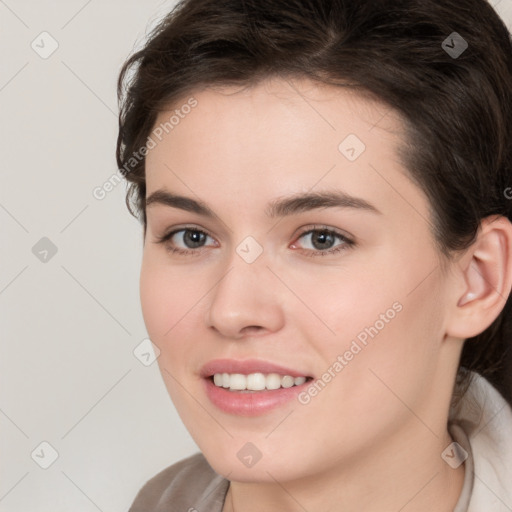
{"x":184,"y":240}
{"x":318,"y":241}
{"x":321,"y":241}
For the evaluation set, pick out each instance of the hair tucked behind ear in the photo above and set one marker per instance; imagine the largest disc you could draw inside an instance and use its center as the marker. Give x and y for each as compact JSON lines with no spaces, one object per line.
{"x":457,"y":108}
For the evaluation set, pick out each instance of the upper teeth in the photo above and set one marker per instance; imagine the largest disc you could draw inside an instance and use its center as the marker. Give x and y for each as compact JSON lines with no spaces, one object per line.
{"x":256,"y":381}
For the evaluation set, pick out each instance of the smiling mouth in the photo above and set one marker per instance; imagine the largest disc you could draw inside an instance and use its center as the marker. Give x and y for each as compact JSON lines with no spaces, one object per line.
{"x":255,"y":382}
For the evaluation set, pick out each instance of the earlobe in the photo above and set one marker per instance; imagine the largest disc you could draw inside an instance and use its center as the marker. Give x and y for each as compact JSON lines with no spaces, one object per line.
{"x":487,"y":279}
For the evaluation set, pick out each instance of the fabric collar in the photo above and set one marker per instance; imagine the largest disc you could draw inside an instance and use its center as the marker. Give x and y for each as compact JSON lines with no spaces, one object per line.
{"x":485,"y":418}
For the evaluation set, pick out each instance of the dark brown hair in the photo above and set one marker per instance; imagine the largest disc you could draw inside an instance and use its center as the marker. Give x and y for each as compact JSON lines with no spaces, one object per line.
{"x":457,"y":108}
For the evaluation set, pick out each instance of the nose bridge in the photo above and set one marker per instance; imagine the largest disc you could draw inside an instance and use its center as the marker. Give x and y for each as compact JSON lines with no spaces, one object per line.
{"x":244,"y":296}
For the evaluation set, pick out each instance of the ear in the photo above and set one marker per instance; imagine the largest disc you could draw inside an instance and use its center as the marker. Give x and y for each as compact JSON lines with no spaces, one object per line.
{"x":483,"y":279}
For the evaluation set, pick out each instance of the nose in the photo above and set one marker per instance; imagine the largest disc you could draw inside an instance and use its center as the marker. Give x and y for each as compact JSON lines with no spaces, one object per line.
{"x":245,"y":301}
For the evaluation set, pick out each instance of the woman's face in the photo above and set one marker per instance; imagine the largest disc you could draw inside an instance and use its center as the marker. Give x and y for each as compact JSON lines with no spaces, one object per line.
{"x":316,"y":256}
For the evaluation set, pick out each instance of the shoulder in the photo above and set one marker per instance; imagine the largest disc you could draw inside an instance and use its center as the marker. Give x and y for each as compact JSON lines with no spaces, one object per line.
{"x":186,"y":484}
{"x":486,"y":419}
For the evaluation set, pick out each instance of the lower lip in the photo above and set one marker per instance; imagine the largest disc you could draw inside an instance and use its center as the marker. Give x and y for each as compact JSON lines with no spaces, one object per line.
{"x":253,"y":403}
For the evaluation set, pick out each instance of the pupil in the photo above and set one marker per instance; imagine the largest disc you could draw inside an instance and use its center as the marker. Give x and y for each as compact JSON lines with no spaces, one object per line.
{"x":194,"y":239}
{"x":321,"y":239}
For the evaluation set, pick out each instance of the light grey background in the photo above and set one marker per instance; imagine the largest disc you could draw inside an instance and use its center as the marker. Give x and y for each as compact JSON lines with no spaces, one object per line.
{"x":71,"y":322}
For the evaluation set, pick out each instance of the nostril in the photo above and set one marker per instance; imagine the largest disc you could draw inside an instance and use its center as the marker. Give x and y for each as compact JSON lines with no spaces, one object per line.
{"x":251,"y":329}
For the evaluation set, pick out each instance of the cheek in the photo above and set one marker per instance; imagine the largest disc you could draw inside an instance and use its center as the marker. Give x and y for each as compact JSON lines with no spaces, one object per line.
{"x":172,"y":308}
{"x":154,"y":298}
{"x":335,"y":304}
{"x":167,"y":296}
{"x":382,"y":324}
{"x":391,"y":350}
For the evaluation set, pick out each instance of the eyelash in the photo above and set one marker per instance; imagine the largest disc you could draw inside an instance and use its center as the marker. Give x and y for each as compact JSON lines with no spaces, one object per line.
{"x":347,"y":243}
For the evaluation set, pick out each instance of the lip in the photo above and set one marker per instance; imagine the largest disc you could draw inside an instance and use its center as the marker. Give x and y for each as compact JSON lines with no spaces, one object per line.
{"x":247,"y":366}
{"x":252,"y":403}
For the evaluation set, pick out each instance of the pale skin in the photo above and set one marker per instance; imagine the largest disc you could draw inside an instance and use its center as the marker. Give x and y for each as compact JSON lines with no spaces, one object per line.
{"x":372,"y":439}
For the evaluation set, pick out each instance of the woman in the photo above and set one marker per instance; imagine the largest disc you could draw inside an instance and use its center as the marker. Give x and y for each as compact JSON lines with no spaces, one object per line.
{"x":324,"y":188}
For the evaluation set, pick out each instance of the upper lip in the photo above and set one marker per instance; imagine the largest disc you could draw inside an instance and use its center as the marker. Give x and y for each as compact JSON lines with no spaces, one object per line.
{"x":246,"y":367}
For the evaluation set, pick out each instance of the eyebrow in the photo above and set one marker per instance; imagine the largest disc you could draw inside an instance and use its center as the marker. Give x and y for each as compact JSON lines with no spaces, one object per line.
{"x":280,"y":207}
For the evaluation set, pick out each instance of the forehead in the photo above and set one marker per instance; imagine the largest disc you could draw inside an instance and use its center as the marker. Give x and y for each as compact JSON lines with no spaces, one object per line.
{"x":275,"y":138}
{"x":265,"y":108}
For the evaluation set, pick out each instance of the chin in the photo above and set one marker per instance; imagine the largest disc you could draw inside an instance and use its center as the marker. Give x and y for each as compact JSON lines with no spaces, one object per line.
{"x":240,"y":468}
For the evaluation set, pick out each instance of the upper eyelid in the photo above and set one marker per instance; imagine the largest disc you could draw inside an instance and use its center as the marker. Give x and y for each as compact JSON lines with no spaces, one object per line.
{"x":345,"y":237}
{"x":321,"y":227}
{"x":302,"y":231}
{"x":171,"y":232}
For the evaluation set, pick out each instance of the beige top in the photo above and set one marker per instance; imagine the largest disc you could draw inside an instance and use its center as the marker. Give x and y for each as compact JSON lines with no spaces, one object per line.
{"x":482,"y":426}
